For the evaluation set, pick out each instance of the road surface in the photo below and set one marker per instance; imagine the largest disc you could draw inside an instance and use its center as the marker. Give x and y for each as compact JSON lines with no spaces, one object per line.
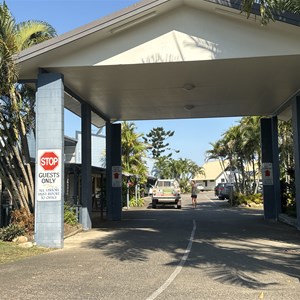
{"x":211,"y":252}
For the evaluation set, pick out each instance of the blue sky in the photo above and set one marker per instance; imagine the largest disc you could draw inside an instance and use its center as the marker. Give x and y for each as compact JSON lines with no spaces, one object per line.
{"x":192,"y":137}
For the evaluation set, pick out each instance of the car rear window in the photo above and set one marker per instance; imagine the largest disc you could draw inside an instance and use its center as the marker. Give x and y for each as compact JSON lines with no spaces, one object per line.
{"x":164,"y":183}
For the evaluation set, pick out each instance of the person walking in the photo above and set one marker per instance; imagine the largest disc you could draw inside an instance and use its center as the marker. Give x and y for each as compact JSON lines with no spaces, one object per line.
{"x":194,"y":194}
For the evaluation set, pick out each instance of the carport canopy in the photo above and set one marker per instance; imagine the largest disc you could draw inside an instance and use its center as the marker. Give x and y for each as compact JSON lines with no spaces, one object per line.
{"x":176,"y":59}
{"x":158,"y":59}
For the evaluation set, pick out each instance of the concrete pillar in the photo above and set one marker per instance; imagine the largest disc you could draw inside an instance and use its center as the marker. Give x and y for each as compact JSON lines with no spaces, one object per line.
{"x":113,"y":172}
{"x":270,"y":168}
{"x":49,"y":183}
{"x":296,"y":138}
{"x":86,"y":169}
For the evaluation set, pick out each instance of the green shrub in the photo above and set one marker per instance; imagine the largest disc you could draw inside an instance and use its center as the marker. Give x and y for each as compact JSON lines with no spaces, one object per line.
{"x":136,"y":203}
{"x":70,"y":216}
{"x":258,"y":198}
{"x":238,"y":199}
{"x":10,"y":232}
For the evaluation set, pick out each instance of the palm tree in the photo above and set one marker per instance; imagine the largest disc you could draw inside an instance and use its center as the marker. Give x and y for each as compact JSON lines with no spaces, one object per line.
{"x":218,"y":152}
{"x":232,"y":141}
{"x":183,"y":170}
{"x":16,"y":103}
{"x":163,"y":167}
{"x":133,"y":151}
{"x":250,"y":128}
{"x":239,"y":146}
{"x":186,"y":169}
{"x":285,"y":144}
{"x":133,"y":154}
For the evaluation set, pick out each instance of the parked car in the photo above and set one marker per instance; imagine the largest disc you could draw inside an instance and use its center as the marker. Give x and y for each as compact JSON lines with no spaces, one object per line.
{"x":166,"y":191}
{"x":225,"y":190}
{"x":200,"y":188}
{"x":218,"y":187}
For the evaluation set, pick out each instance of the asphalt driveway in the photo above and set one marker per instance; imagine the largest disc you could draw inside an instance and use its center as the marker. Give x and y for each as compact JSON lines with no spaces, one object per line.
{"x":211,"y":252}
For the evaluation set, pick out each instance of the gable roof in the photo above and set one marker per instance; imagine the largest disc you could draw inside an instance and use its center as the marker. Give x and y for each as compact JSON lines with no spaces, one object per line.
{"x":161,"y":59}
{"x":212,"y":170}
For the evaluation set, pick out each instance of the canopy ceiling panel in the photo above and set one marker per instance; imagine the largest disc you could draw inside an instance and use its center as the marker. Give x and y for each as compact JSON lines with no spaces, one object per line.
{"x":201,"y":89}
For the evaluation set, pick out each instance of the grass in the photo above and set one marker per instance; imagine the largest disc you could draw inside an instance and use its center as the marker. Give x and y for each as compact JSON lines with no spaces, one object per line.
{"x":11,"y":252}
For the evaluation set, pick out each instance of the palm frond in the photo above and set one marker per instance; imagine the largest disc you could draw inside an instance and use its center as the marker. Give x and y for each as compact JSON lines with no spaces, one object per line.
{"x":32,"y":33}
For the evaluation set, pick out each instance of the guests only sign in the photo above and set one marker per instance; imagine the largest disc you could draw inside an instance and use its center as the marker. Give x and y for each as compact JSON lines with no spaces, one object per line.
{"x":48,"y":177}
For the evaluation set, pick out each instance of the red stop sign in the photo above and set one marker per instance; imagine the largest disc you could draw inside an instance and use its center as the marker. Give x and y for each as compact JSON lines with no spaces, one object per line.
{"x":49,"y":161}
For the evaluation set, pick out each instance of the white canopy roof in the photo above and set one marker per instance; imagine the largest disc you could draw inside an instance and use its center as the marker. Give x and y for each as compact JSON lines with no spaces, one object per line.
{"x":175,"y":59}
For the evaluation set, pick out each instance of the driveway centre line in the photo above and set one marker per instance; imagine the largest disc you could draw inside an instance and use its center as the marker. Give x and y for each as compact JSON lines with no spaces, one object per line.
{"x":178,"y":268}
{"x":212,"y":201}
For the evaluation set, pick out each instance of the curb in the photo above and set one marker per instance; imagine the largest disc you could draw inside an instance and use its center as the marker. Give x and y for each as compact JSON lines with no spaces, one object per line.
{"x":73,"y":233}
{"x":287,"y":220}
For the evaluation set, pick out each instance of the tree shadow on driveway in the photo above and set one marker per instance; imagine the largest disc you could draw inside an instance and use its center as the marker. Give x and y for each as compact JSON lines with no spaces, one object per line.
{"x":231,"y":246}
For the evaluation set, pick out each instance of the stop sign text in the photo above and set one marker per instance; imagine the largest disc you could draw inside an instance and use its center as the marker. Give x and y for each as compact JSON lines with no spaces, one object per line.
{"x":49,"y":161}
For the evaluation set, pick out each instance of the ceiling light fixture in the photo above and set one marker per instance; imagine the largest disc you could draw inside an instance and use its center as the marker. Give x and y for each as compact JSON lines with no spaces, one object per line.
{"x":189,"y":107}
{"x":188,"y":86}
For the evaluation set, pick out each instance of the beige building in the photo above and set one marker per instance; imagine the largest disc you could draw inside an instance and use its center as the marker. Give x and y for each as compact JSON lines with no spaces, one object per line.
{"x":214,"y":173}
